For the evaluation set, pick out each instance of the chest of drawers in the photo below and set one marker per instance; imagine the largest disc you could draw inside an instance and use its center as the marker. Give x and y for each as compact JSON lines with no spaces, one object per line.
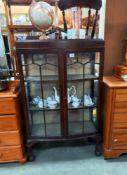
{"x":115,"y":117}
{"x":11,"y":139}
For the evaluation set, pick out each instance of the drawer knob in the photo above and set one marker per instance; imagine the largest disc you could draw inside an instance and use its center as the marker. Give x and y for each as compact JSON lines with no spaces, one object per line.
{"x":115,"y":140}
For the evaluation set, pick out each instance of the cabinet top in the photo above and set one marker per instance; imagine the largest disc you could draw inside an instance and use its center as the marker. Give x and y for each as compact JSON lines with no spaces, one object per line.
{"x":26,"y":2}
{"x":68,"y":45}
{"x":114,"y":82}
{"x":12,"y":90}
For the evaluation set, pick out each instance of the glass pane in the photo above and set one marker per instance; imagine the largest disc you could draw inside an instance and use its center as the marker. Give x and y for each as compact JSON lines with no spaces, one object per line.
{"x":36,"y":122}
{"x":43,"y":102}
{"x":81,"y":121}
{"x":44,"y":123}
{"x":82,"y":87}
{"x":86,"y":64}
{"x":53,"y":123}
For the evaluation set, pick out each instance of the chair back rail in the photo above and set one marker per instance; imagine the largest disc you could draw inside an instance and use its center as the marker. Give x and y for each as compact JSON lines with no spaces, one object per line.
{"x":91,"y":4}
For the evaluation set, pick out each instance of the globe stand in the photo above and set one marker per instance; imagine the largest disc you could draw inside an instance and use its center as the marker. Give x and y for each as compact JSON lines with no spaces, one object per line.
{"x":41,"y":15}
{"x":43,"y":36}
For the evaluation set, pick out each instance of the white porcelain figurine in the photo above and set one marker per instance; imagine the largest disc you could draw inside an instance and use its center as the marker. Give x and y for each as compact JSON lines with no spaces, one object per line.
{"x":36,"y":100}
{"x":51,"y":102}
{"x":88,"y":100}
{"x":57,"y":97}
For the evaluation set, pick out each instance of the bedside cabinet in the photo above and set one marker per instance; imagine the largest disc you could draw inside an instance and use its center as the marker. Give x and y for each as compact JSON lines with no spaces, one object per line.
{"x":11,"y":141}
{"x":115,"y":117}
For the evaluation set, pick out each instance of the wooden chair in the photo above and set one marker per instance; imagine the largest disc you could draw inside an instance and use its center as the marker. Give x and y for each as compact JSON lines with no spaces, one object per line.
{"x":90,"y":4}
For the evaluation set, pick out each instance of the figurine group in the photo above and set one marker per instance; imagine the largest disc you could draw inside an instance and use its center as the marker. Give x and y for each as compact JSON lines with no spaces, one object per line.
{"x":53,"y":101}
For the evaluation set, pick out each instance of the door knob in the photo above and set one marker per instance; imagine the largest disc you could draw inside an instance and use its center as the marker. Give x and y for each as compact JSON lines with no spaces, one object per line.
{"x":115,"y":140}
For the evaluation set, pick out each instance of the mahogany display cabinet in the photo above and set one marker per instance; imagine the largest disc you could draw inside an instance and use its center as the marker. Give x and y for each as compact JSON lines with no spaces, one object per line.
{"x":61,"y":84}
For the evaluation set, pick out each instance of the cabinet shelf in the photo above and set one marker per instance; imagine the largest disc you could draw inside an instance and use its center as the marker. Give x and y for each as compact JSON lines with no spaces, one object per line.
{"x":55,"y":78}
{"x":22,"y":28}
{"x":81,"y":107}
{"x":35,"y":108}
{"x":53,"y":129}
{"x":80,"y":77}
{"x":44,"y":78}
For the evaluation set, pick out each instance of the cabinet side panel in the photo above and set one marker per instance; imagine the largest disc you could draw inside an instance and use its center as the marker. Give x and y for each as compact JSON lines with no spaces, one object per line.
{"x":107,"y":112}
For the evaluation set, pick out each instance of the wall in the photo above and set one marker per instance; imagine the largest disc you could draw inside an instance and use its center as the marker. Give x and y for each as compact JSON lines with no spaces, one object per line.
{"x":15,"y":9}
{"x":115,"y":31}
{"x":1,"y":7}
{"x":102,"y":20}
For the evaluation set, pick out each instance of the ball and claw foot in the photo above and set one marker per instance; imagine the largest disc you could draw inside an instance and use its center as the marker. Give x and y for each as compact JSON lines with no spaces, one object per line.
{"x":31,"y":156}
{"x":97,"y":151}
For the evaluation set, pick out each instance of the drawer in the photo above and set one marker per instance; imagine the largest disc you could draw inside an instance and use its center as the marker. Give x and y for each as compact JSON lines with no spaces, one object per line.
{"x":120,"y":114}
{"x":121,"y":95}
{"x":119,"y":139}
{"x":120,"y":117}
{"x":121,"y":91}
{"x":10,"y":153}
{"x":9,"y":138}
{"x":8,"y":123}
{"x":120,"y":110}
{"x":120,"y":105}
{"x":120,"y":125}
{"x":7,"y":106}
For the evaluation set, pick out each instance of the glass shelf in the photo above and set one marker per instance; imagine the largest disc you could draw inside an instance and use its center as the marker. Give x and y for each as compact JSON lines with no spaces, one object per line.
{"x":55,"y":78}
{"x":80,"y":77}
{"x":44,"y":78}
{"x":81,"y":107}
{"x":53,"y":129}
{"x":35,"y":108}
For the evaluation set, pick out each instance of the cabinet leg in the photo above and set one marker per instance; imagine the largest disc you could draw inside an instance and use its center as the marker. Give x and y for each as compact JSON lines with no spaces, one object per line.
{"x":22,"y":161}
{"x":30,"y":155}
{"x":98,"y":151}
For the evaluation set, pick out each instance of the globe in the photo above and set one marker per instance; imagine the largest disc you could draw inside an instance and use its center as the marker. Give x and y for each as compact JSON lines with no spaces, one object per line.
{"x":41,"y":15}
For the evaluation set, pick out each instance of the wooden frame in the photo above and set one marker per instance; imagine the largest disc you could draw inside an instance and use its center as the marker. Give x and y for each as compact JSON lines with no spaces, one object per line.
{"x":61,"y":48}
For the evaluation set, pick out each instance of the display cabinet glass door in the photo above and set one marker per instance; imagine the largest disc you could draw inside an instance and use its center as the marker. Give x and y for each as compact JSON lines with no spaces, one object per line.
{"x":41,"y":80}
{"x":83,"y":69}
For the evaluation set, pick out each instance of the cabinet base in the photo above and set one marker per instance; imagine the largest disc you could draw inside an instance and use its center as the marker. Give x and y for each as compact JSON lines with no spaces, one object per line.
{"x":21,"y":161}
{"x":94,"y":139}
{"x":109,"y":153}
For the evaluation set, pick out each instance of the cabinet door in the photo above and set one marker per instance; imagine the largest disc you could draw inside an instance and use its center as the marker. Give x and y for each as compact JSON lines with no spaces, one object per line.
{"x":41,"y":80}
{"x":83,"y":72}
